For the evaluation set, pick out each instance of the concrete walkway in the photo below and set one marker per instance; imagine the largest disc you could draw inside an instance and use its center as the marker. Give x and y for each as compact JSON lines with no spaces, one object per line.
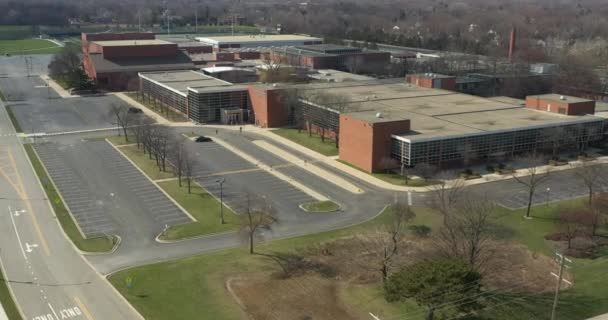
{"x":55,"y":86}
{"x":310,"y":167}
{"x":158,"y":118}
{"x":269,"y":169}
{"x":600,"y":317}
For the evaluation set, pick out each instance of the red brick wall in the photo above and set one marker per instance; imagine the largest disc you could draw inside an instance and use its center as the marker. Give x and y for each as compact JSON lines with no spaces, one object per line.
{"x":247,"y":55}
{"x":267,"y":107}
{"x":161,"y":50}
{"x":224,"y":56}
{"x":427,"y":82}
{"x":88,"y":37}
{"x":573,"y":109}
{"x":365,"y":145}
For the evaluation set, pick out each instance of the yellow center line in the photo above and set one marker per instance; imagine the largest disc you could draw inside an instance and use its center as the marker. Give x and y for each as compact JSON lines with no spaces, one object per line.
{"x":30,"y":209}
{"x":83,"y":308}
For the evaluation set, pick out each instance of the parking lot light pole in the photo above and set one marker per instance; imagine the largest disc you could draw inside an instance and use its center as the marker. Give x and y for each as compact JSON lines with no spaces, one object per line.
{"x":547,"y":197}
{"x":221,"y":182}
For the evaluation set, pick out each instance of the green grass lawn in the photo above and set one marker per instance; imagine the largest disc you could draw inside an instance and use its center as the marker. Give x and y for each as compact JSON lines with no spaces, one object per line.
{"x":28,"y":46}
{"x":194,"y":288}
{"x":188,"y":288}
{"x":146,"y":164}
{"x":10,"y":308}
{"x":2,"y":97}
{"x":11,"y":116}
{"x":321,"y":206}
{"x":101,"y":244}
{"x":327,"y":148}
{"x":120,"y":140}
{"x":172,"y":116}
{"x":203,"y":207}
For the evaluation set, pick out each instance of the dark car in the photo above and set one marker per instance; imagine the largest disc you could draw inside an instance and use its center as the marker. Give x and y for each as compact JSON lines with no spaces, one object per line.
{"x":203,"y":139}
{"x":135,"y":110}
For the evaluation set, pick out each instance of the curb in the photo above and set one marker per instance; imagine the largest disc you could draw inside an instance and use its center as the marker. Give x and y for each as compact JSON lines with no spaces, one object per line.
{"x":301,"y":206}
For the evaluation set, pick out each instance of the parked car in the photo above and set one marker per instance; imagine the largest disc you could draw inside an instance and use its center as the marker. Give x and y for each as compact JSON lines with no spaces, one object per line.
{"x":134,"y":110}
{"x":203,"y":139}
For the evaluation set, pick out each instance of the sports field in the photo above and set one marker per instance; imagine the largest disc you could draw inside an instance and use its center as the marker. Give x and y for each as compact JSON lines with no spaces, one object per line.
{"x":29,"y":46}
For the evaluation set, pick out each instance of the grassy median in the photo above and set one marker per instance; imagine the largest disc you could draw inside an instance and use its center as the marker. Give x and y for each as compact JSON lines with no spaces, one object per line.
{"x":203,"y":207}
{"x":146,"y":164}
{"x":101,"y":244}
{"x":11,"y":116}
{"x":314,"y":142}
{"x":321,"y":206}
{"x":9,"y":305}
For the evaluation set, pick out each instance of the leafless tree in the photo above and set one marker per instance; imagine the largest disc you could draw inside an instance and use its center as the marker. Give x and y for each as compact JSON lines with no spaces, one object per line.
{"x":466,"y":234}
{"x":123,"y":117}
{"x":139,"y":128}
{"x":259,"y":214}
{"x":591,"y":175}
{"x":570,"y":222}
{"x":379,"y":250}
{"x":188,"y":168}
{"x":449,"y":190}
{"x":425,"y":171}
{"x":387,"y":164}
{"x":178,"y":154}
{"x":532,"y":177}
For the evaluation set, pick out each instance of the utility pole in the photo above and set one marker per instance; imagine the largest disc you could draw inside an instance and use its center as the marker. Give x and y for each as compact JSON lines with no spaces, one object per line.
{"x":562,"y":263}
{"x":221,"y":182}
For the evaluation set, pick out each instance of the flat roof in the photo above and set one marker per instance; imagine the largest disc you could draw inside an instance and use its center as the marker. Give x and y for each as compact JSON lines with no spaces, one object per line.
{"x":258,"y":38}
{"x":182,"y":80}
{"x":436,"y":113}
{"x":558,"y":98}
{"x":122,"y":43}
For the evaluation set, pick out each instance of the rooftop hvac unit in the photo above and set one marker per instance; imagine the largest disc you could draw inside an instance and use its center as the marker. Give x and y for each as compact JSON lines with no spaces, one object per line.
{"x":379,"y":115}
{"x":562,"y":98}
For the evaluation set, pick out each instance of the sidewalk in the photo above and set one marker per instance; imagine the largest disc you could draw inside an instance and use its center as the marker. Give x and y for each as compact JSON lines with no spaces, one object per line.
{"x":600,"y":317}
{"x":55,"y":86}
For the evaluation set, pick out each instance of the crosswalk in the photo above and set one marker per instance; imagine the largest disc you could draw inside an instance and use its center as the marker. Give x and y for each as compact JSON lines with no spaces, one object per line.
{"x":7,"y":134}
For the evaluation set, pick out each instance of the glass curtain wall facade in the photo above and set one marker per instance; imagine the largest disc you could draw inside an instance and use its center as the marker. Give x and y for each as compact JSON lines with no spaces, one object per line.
{"x":494,"y":145}
{"x":207,"y":106}
{"x":175,"y":100}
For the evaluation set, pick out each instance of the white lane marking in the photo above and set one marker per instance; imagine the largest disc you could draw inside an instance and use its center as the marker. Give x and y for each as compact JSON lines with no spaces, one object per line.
{"x":30,"y":247}
{"x":17,"y":233}
{"x":53,"y":310}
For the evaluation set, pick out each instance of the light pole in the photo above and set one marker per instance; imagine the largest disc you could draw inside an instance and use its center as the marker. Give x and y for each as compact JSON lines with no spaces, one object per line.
{"x":547,"y":197}
{"x":221,"y":182}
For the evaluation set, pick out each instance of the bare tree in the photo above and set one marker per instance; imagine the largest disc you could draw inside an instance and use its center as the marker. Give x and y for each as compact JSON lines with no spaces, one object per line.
{"x":569,"y":222}
{"x":178,"y":153}
{"x":591,"y":175}
{"x":465,"y":234}
{"x":380,"y":250}
{"x":447,"y":193}
{"x":532,"y":177}
{"x":556,"y":138}
{"x":188,"y":168}
{"x":123,"y":117}
{"x":259,"y":214}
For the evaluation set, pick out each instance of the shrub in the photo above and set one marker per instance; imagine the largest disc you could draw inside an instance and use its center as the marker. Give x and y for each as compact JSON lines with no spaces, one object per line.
{"x":490,"y":168}
{"x":421,"y":230}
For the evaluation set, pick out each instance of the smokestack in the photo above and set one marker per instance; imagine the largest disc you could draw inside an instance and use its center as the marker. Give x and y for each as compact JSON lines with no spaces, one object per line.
{"x":512,"y":40}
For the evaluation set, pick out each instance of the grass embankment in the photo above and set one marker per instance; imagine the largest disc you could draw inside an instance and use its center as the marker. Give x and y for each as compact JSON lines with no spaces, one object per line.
{"x":188,"y":288}
{"x":203,"y":207}
{"x":194,"y":288}
{"x":28,"y":46}
{"x":11,"y":116}
{"x":321,"y":206}
{"x":200,"y":204}
{"x":101,"y":244}
{"x":6,"y":299}
{"x":314,"y":142}
{"x":396,"y":179}
{"x":163,"y":111}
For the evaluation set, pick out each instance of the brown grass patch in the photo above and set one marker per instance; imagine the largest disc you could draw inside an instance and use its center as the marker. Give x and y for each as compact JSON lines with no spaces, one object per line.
{"x":309,"y":297}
